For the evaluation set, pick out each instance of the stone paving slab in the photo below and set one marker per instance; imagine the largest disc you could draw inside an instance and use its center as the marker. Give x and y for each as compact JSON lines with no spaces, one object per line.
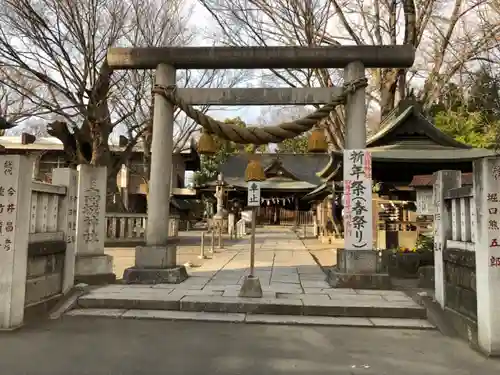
{"x":228,"y":301}
{"x":291,"y":280}
{"x":254,"y":318}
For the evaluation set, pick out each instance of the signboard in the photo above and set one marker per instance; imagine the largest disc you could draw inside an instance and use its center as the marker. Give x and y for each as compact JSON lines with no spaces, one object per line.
{"x":425,"y":203}
{"x":358,"y":200}
{"x":253,"y":194}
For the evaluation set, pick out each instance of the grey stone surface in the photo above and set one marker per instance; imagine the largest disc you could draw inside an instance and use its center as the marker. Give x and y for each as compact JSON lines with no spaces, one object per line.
{"x":148,"y":347}
{"x":215,"y":287}
{"x":132,"y":301}
{"x":426,"y":277}
{"x":42,"y":287}
{"x":251,"y":288}
{"x":97,"y":279}
{"x":241,"y":305}
{"x":155,"y":256}
{"x":184,"y":315}
{"x":338,"y":279}
{"x":112,"y":313}
{"x":308,"y":320}
{"x":360,"y":308}
{"x":174,"y":275}
{"x":402,"y":323}
{"x":93,"y":264}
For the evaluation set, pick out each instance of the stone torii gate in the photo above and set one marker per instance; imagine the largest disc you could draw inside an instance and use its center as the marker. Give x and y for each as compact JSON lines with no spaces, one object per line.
{"x":156,"y":262}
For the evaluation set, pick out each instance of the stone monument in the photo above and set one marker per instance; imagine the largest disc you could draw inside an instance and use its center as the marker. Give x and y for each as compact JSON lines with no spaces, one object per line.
{"x":92,"y":265}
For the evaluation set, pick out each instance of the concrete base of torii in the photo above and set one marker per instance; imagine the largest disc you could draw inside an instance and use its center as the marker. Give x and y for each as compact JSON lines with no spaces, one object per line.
{"x":359,"y":269}
{"x":155,"y":265}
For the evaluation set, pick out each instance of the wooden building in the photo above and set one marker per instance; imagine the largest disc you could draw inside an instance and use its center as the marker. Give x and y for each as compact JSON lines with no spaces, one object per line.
{"x":48,"y":153}
{"x":289,"y":177}
{"x":407,"y":144}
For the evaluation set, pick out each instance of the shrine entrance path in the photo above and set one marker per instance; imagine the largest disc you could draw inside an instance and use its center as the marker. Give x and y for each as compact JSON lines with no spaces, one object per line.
{"x":294,"y":291}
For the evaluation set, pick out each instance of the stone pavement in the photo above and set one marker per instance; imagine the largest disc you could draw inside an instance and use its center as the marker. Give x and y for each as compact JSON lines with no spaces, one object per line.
{"x":188,"y":250}
{"x":292,"y":282}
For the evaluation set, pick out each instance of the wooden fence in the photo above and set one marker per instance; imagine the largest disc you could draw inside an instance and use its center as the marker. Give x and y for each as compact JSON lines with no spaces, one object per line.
{"x":273,"y":215}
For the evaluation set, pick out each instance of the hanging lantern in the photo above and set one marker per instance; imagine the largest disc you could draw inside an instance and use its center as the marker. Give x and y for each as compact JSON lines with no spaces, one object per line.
{"x":206,"y":144}
{"x":317,"y":141}
{"x":254,"y":171}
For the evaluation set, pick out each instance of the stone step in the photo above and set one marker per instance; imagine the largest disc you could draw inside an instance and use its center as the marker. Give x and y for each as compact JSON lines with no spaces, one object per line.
{"x":255,"y":318}
{"x":342,"y":307}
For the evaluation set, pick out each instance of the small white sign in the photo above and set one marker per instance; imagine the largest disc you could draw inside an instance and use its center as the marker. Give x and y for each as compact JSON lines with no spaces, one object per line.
{"x":425,"y":202}
{"x":253,"y":194}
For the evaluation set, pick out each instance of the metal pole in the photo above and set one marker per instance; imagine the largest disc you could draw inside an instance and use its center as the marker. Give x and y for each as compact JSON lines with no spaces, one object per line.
{"x":220,"y":236}
{"x":305,"y":229}
{"x":252,"y":242}
{"x":213,"y":241}
{"x":202,"y":245}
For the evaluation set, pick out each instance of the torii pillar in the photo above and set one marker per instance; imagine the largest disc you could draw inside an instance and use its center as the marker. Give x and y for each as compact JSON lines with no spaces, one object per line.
{"x":156,"y":262}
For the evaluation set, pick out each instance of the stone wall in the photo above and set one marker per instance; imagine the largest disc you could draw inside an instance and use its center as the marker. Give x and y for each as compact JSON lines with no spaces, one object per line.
{"x":45,"y":271}
{"x":460,"y":281}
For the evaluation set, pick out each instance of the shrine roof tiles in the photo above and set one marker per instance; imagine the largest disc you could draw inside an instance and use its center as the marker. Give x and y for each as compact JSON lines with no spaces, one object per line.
{"x":303,"y":167}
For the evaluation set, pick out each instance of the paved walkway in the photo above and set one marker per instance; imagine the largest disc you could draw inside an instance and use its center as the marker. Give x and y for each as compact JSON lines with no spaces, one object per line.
{"x":188,"y":250}
{"x":292,"y":282}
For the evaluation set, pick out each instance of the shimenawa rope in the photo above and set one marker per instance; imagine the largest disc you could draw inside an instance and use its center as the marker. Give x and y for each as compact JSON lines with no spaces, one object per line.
{"x":258,"y":135}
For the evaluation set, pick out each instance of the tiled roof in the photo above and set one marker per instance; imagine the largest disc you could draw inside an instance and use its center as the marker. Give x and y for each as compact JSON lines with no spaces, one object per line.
{"x":427,"y":180}
{"x":303,"y":166}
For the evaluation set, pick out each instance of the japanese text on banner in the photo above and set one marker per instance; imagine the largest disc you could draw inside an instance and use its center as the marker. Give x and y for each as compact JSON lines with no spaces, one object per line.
{"x":358,"y":200}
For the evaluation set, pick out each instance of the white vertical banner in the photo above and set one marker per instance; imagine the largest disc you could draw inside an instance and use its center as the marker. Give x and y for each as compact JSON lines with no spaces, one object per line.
{"x":358,"y":220}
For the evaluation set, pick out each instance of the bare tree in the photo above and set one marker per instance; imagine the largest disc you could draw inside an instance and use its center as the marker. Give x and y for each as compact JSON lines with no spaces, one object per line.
{"x":162,"y":24}
{"x":60,"y":46}
{"x":444,"y":33}
{"x":14,"y":108}
{"x":57,"y":49}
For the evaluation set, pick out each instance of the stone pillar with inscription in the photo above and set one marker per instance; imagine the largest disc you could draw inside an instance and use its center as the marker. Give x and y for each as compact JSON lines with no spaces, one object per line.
{"x":358,"y":227}
{"x":357,"y":263}
{"x":443,"y":181}
{"x":487,"y":246}
{"x":15,"y":198}
{"x":67,"y":221}
{"x":156,"y":262}
{"x":92,"y":265}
